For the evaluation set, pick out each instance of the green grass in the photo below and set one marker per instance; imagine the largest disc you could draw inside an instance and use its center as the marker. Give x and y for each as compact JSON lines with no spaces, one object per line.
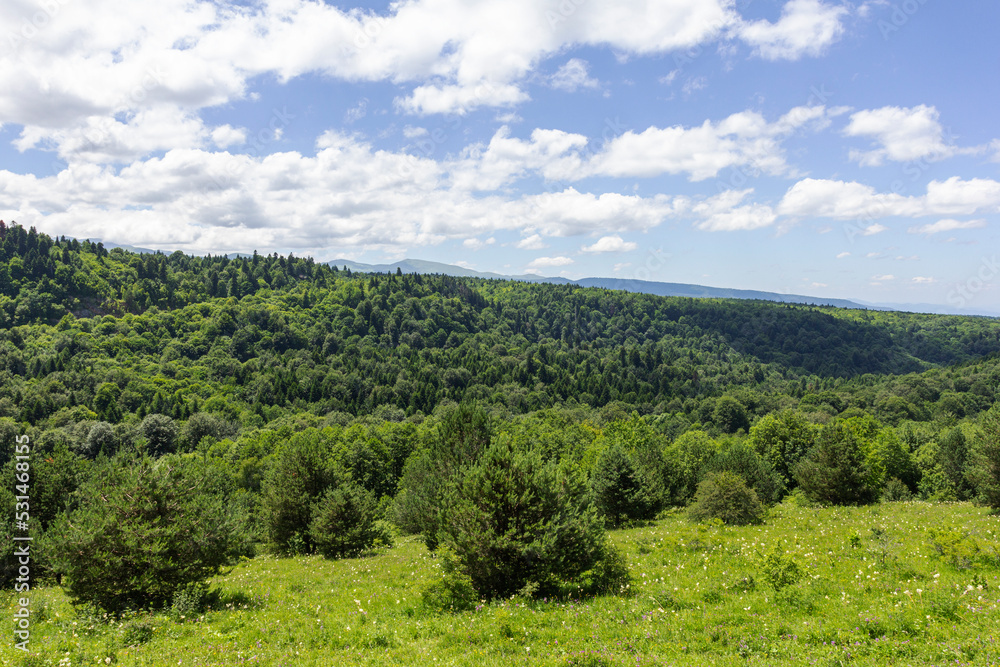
{"x":870,"y":588}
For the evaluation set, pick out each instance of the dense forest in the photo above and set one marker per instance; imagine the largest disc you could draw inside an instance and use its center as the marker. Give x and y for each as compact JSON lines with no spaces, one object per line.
{"x":300,"y":394}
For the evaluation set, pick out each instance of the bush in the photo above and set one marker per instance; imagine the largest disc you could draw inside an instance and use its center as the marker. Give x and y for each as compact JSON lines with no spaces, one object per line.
{"x":741,"y":459}
{"x":299,"y":477}
{"x":895,"y":491}
{"x":778,"y":570}
{"x":142,"y":530}
{"x":725,"y":496}
{"x":343,"y":521}
{"x":516,"y":519}
{"x":621,"y":491}
{"x":835,"y":470}
{"x":454,"y":591}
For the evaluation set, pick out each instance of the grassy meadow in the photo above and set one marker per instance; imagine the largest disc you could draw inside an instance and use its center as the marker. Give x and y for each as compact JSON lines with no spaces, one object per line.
{"x":910,"y":583}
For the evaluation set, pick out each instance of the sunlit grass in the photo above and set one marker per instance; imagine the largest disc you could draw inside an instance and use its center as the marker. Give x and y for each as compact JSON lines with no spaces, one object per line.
{"x":873,"y":590}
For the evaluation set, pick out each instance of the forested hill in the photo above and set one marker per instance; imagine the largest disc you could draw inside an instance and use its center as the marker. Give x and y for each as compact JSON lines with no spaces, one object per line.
{"x":86,"y":330}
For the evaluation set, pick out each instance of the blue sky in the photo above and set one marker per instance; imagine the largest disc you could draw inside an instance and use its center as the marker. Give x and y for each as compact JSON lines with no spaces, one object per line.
{"x":841,"y":149}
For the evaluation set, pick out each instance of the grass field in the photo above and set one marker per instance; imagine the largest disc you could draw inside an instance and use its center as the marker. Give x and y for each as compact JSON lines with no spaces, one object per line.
{"x":891,"y":584}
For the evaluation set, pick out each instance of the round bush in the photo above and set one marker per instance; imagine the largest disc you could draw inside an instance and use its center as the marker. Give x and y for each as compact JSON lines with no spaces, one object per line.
{"x":726,"y":496}
{"x":343,"y":521}
{"x":142,"y":529}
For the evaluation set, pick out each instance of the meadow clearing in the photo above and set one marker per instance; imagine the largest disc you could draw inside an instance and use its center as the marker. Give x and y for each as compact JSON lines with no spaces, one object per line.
{"x":909,"y":583}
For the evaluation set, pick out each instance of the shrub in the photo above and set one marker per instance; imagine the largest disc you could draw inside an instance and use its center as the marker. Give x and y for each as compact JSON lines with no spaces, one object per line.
{"x":142,"y":530}
{"x":343,"y":522}
{"x":835,"y":471}
{"x":741,"y":459}
{"x":895,"y":491}
{"x":299,"y":477}
{"x":515,"y":519}
{"x":454,"y":591}
{"x":621,"y":491}
{"x":725,"y":496}
{"x":779,"y":570}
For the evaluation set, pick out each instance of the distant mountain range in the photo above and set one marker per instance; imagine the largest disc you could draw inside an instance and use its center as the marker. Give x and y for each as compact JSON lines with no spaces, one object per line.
{"x":629,"y":285}
{"x":651,"y":287}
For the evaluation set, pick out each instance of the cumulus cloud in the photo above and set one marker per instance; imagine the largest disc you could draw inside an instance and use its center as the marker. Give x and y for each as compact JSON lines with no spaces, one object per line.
{"x":547,"y":262}
{"x":742,"y":139}
{"x":572,"y":76}
{"x":225,"y":136}
{"x":850,"y":200}
{"x":806,"y":28}
{"x":902,"y":135}
{"x":533,"y":242}
{"x":348,"y":195}
{"x":723,"y":213}
{"x":610,"y":244}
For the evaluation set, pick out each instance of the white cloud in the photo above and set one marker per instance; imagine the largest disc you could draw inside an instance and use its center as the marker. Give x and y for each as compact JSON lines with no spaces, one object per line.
{"x":348,"y":195}
{"x":478,"y":244}
{"x":948,"y":225}
{"x":924,"y":280}
{"x":843,"y":255}
{"x":849,"y":200}
{"x":610,"y":244}
{"x":842,"y":200}
{"x":533,"y":242}
{"x":744,"y":138}
{"x":886,"y":277}
{"x":545,"y":262}
{"x":552,"y":152}
{"x":902,"y":134}
{"x":722,"y":213}
{"x":572,"y":76}
{"x":225,"y":136}
{"x":806,"y":28}
{"x":411,"y":132}
{"x":963,"y":197}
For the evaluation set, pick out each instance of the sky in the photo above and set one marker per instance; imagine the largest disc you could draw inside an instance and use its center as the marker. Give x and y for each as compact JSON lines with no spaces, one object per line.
{"x":821,"y":147}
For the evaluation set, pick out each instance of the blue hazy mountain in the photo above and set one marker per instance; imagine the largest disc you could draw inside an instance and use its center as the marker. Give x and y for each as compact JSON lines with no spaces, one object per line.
{"x":653,"y":287}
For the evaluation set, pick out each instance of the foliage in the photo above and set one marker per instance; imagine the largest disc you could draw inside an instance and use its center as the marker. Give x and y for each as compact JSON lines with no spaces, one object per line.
{"x":984,"y":468}
{"x":301,"y":474}
{"x":686,"y":460}
{"x":515,"y":518}
{"x":835,"y":471}
{"x":464,"y":435}
{"x":782,"y":439}
{"x":343,"y":521}
{"x":779,"y":569}
{"x":142,"y":529}
{"x":725,"y":496}
{"x":622,"y":490}
{"x":738,"y":457}
{"x":454,"y":591}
